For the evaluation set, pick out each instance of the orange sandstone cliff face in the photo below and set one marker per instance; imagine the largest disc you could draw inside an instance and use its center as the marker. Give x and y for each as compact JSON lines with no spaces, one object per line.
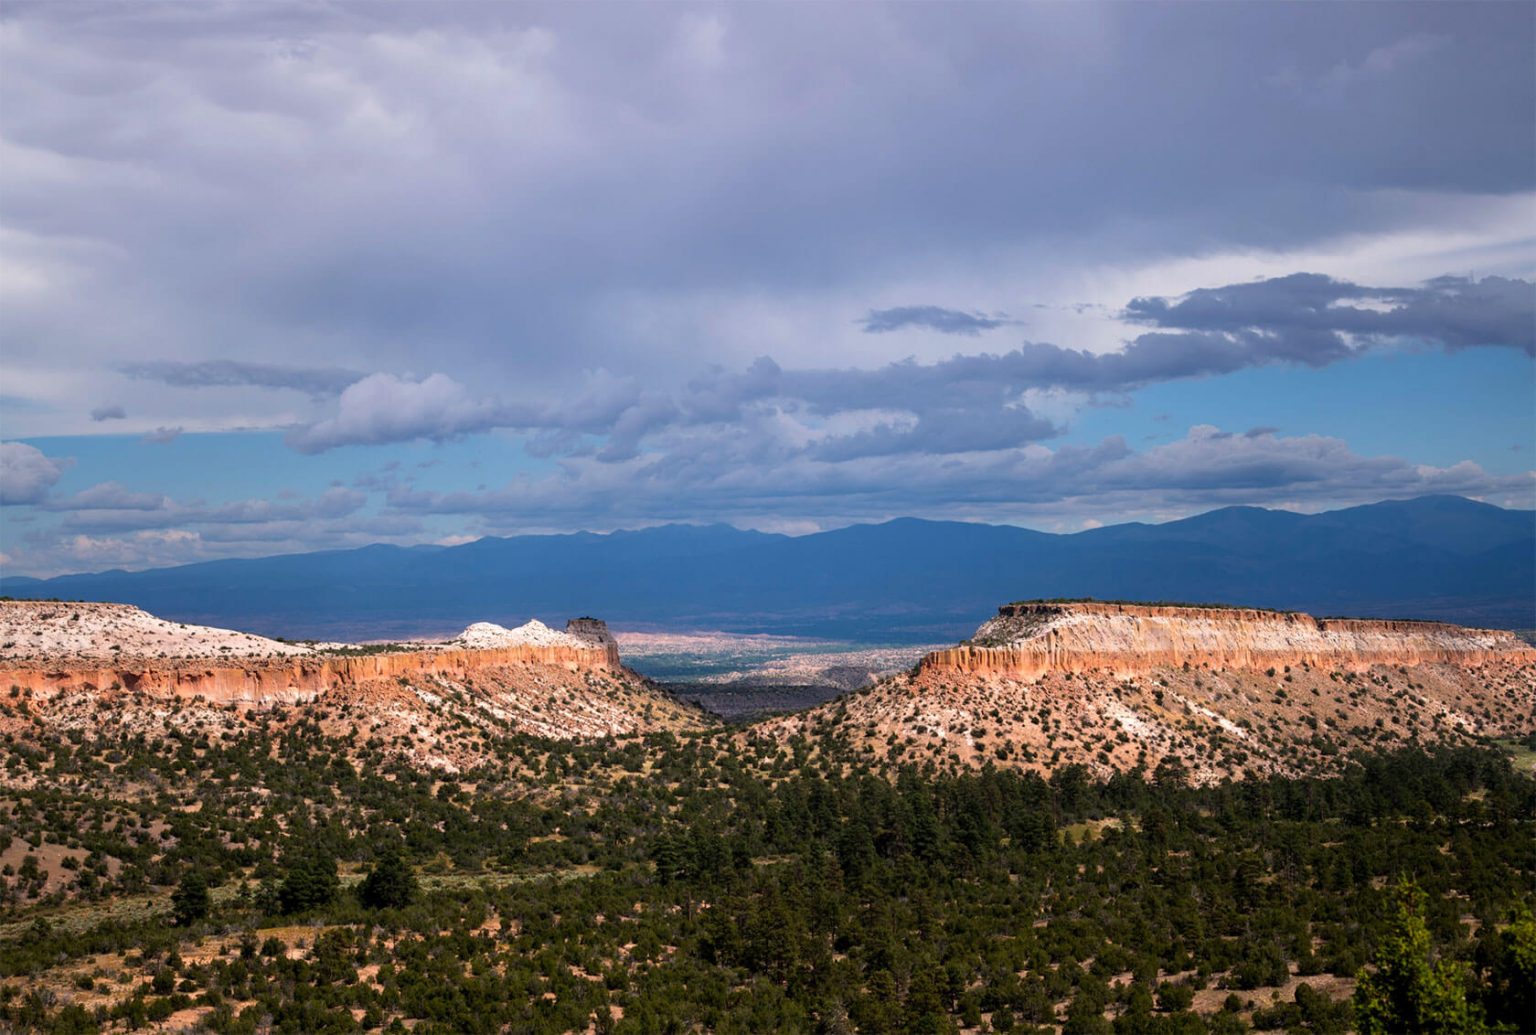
{"x":1029,"y":640}
{"x":51,"y":649}
{"x":286,"y":680}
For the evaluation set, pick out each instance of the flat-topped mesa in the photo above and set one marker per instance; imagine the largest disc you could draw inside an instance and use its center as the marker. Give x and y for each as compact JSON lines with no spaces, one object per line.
{"x":108,"y":649}
{"x":1028,"y":640}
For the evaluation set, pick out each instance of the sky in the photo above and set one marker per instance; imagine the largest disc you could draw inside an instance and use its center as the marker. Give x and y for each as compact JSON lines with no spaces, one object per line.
{"x":281,"y":277}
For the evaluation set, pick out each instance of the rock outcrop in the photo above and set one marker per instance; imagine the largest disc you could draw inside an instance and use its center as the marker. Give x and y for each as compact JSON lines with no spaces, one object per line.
{"x":594,"y":631}
{"x":287,"y":680}
{"x":1028,"y":640}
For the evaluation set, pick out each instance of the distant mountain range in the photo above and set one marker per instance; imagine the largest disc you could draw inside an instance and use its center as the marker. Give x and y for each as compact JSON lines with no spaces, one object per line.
{"x":908,"y":580}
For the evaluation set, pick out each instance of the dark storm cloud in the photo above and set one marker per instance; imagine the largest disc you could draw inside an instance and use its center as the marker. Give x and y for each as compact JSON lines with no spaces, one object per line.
{"x":102,"y":413}
{"x":226,"y":373}
{"x":1310,"y":318}
{"x":498,"y":186}
{"x":934,"y":318}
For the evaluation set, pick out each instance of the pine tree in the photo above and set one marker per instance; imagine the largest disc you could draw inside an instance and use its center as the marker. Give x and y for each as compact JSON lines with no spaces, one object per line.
{"x":1511,"y":995}
{"x":190,"y":901}
{"x":390,"y":884}
{"x":1410,"y":992}
{"x":311,"y":881}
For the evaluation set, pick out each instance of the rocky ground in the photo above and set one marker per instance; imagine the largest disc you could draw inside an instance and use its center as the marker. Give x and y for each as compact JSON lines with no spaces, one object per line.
{"x":61,"y":632}
{"x":1215,"y":725}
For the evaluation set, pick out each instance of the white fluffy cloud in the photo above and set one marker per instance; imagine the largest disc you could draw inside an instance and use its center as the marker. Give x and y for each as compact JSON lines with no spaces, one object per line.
{"x":26,"y":474}
{"x":383,"y":408}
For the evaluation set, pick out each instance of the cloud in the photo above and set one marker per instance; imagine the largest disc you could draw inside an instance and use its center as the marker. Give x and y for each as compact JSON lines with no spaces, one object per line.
{"x":383,"y":408}
{"x":940,"y":432}
{"x":26,"y":474}
{"x":562,"y":210}
{"x":934,"y":318}
{"x":102,"y":413}
{"x":110,"y":507}
{"x":224,"y":373}
{"x":966,"y":403}
{"x":161,"y":436}
{"x":718,"y":478}
{"x":1314,"y":319}
{"x":110,"y":496}
{"x":91,"y":548}
{"x":1383,"y":61}
{"x":543,"y":184}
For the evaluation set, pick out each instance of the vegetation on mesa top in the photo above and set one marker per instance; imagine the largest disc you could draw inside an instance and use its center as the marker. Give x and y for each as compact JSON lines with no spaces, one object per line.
{"x":1196,"y":606}
{"x":363,"y":650}
{"x":1147,"y":603}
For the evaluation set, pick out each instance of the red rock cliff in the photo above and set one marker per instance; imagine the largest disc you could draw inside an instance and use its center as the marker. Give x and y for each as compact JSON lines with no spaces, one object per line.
{"x":268,"y":681}
{"x":1026,"y":641}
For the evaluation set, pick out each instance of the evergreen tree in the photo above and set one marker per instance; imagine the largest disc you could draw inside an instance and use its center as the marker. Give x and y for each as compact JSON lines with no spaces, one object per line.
{"x":190,"y":901}
{"x":1511,"y":996}
{"x":1409,"y":992}
{"x":390,"y":884}
{"x":311,"y":881}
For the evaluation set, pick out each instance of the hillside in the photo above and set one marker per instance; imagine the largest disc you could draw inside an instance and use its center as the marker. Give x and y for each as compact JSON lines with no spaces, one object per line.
{"x":1217,"y":692}
{"x":110,"y":668}
{"x":906,"y":580}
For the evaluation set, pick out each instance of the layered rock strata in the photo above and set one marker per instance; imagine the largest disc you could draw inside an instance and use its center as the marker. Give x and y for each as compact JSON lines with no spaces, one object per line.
{"x":287,"y":680}
{"x":1026,"y":641}
{"x":55,"y":649}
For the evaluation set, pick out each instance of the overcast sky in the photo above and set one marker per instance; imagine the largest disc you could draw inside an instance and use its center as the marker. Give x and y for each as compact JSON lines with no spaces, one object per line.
{"x":282,"y":277}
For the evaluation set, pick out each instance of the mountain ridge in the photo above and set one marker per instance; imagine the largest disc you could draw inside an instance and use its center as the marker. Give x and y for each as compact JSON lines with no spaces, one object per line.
{"x":903,"y":580}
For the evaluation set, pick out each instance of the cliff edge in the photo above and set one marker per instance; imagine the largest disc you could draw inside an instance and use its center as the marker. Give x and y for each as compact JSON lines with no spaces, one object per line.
{"x":1029,"y":639}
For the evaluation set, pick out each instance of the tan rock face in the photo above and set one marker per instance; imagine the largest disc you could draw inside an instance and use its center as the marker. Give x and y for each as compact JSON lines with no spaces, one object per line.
{"x":269,"y":681}
{"x":107,"y":650}
{"x":1027,"y":641}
